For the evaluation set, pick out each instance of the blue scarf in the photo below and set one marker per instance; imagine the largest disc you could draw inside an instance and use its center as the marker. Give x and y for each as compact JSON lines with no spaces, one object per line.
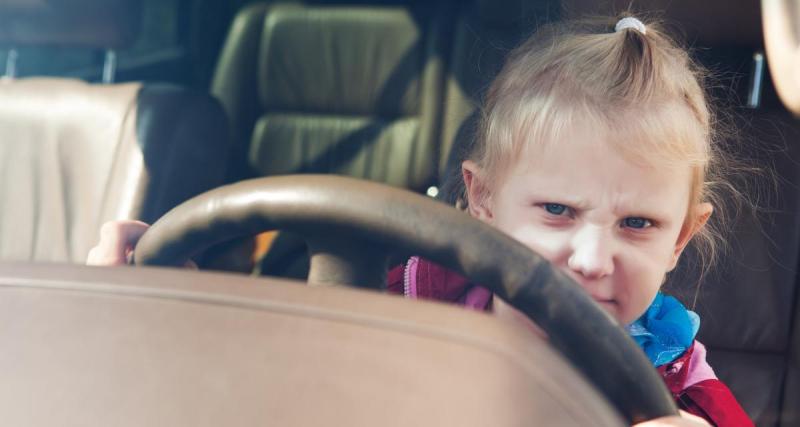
{"x":666,"y":330}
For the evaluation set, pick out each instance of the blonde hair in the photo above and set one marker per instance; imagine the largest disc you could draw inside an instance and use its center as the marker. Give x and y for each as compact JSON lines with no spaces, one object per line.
{"x":641,"y":87}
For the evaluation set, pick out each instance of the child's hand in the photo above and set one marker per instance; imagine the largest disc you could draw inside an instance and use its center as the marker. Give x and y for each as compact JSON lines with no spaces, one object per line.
{"x":117,"y":240}
{"x":684,"y":420}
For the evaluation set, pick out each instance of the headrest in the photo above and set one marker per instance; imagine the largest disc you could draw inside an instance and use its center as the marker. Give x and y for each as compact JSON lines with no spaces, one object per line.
{"x":90,"y":23}
{"x":341,"y":60}
{"x":706,"y":23}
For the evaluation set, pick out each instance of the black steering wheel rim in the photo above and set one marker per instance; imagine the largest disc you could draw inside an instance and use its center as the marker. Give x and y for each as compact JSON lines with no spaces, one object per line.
{"x":350,"y":226}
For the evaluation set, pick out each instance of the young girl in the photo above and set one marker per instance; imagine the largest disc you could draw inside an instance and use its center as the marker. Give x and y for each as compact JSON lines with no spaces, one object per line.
{"x":595,"y":150}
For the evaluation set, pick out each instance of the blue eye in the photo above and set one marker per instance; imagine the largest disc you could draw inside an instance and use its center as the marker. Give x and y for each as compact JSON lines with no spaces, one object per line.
{"x":555,"y":208}
{"x":634,"y":222}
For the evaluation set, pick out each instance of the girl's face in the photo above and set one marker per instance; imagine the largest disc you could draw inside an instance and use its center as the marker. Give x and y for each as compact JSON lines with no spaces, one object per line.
{"x":613,"y":226}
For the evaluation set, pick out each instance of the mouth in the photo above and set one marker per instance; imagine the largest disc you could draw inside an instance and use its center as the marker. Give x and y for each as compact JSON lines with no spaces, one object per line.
{"x":606,"y":303}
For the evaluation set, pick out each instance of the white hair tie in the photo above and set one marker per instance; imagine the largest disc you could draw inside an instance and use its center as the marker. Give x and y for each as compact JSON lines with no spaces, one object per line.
{"x":630,"y":22}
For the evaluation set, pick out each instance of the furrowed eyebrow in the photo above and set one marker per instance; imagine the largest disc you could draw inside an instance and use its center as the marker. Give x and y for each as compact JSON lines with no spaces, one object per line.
{"x":655,"y":217}
{"x":560,"y":200}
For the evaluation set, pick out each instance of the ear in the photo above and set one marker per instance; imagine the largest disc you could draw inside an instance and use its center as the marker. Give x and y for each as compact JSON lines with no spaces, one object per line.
{"x":477,"y":191}
{"x":690,"y":228}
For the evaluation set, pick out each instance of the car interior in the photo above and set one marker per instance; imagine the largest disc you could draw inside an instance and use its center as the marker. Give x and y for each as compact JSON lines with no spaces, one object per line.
{"x":367,"y":93}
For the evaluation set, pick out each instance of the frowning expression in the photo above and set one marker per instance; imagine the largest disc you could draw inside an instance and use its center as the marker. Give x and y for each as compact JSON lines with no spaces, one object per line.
{"x":615,"y":226}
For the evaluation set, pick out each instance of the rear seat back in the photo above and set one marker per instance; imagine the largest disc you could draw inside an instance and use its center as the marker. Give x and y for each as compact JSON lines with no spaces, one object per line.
{"x":320,"y":87}
{"x":350,"y":90}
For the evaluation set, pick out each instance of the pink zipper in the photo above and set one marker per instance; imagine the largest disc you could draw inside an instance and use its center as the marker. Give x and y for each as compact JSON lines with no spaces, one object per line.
{"x":410,"y":277}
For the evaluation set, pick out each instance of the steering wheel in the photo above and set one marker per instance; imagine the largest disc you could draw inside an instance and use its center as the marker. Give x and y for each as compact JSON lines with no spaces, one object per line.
{"x":353,"y":226}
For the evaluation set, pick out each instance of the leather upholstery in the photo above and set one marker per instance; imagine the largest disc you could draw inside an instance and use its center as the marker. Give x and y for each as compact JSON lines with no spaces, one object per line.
{"x":360,"y":146}
{"x":347,"y":90}
{"x":65,"y":146}
{"x":75,"y":155}
{"x":341,"y":61}
{"x":324,"y":88}
{"x":235,"y":83}
{"x":179,"y":348}
{"x":89,"y":23}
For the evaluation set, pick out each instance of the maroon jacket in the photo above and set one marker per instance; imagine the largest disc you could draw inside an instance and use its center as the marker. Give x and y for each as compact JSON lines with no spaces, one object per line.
{"x":689,"y":378}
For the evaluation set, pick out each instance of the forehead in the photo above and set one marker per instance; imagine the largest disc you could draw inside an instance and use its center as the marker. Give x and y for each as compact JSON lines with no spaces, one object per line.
{"x":586,"y":165}
{"x":660,"y":134}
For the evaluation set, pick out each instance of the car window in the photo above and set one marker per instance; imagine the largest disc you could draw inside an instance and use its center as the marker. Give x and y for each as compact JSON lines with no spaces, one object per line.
{"x":158,"y":41}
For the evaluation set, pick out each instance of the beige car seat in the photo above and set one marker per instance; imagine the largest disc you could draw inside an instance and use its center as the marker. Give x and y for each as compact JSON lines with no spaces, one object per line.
{"x":74,"y":155}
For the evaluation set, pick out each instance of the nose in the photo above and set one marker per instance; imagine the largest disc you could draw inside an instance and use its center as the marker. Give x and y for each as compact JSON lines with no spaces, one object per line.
{"x":592,"y":253}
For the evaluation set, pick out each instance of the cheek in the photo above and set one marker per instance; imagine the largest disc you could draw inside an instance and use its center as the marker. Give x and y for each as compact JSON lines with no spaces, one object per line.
{"x":641,"y":286}
{"x":547,"y":243}
{"x":641,"y":273}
